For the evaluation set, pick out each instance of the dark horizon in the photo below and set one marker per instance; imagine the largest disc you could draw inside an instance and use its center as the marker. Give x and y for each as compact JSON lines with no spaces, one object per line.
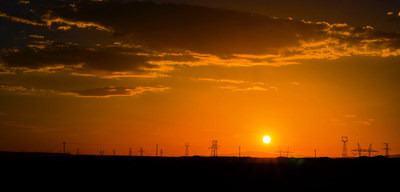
{"x":183,"y":173}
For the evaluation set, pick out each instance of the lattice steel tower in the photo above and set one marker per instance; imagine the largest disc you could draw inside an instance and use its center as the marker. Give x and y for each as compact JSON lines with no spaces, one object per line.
{"x":186,"y":149}
{"x":344,"y":150}
{"x":386,"y":149}
{"x":214,"y":148}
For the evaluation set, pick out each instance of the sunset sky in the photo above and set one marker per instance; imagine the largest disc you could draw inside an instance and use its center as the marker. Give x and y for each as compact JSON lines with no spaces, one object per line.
{"x":104,"y":75}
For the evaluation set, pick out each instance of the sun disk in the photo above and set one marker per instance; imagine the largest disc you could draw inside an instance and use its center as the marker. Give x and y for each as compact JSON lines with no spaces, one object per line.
{"x":267,"y":139}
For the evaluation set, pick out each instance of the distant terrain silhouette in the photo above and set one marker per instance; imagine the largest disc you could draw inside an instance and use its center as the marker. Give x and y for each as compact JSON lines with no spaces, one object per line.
{"x":43,"y":170}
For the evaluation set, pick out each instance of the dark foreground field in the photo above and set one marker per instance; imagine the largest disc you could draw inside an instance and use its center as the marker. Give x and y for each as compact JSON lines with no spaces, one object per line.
{"x":57,"y":172}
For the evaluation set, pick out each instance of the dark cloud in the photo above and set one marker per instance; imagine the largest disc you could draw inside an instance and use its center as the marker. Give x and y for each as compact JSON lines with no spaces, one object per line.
{"x":152,"y":37}
{"x":111,"y":59}
{"x":219,"y":32}
{"x":198,"y":29}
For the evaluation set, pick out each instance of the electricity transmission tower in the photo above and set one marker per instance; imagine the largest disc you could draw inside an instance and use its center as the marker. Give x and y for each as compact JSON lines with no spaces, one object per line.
{"x":386,"y":149}
{"x":186,"y":149}
{"x":344,"y":150}
{"x":362,"y":152}
{"x":281,"y":151}
{"x":141,"y":151}
{"x":214,"y":148}
{"x":315,"y":153}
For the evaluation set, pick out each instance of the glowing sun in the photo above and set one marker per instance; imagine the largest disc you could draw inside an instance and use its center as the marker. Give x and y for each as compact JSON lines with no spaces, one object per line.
{"x":267,"y":139}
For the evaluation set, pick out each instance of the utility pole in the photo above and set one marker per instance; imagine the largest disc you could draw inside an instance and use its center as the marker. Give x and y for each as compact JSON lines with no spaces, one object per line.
{"x":130,"y":152}
{"x":64,"y":143}
{"x":114,"y":151}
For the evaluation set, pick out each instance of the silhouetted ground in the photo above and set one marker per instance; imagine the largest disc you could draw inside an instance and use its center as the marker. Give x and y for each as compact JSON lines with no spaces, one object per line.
{"x":58,"y":172}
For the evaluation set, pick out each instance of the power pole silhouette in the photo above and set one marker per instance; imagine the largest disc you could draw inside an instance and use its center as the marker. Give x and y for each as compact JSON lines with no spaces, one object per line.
{"x":130,"y":152}
{"x":344,"y":150}
{"x":186,"y":149}
{"x":64,"y":143}
{"x":114,"y":151}
{"x":141,"y":151}
{"x":214,"y":148}
{"x":386,"y":149}
{"x":287,"y":152}
{"x":315,"y":153}
{"x":369,"y":150}
{"x":281,"y":151}
{"x":362,"y":152}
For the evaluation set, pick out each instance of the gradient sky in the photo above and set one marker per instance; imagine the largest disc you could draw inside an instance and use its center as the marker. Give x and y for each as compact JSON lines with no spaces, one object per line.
{"x":104,"y":75}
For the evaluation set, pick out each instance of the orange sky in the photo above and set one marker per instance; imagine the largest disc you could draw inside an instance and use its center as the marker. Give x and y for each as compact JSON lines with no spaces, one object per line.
{"x":119,"y":75}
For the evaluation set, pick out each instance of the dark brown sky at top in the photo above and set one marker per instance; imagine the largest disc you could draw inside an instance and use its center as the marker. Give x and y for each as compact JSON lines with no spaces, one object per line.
{"x":352,"y":12}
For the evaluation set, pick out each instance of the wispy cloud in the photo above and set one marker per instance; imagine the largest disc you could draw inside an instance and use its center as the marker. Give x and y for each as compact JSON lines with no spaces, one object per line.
{"x":250,"y":88}
{"x":104,"y":92}
{"x":107,"y":92}
{"x":239,"y":85}
{"x":352,"y":120}
{"x":64,"y":24}
{"x":48,"y":21}
{"x":21,"y":20}
{"x":21,"y":90}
